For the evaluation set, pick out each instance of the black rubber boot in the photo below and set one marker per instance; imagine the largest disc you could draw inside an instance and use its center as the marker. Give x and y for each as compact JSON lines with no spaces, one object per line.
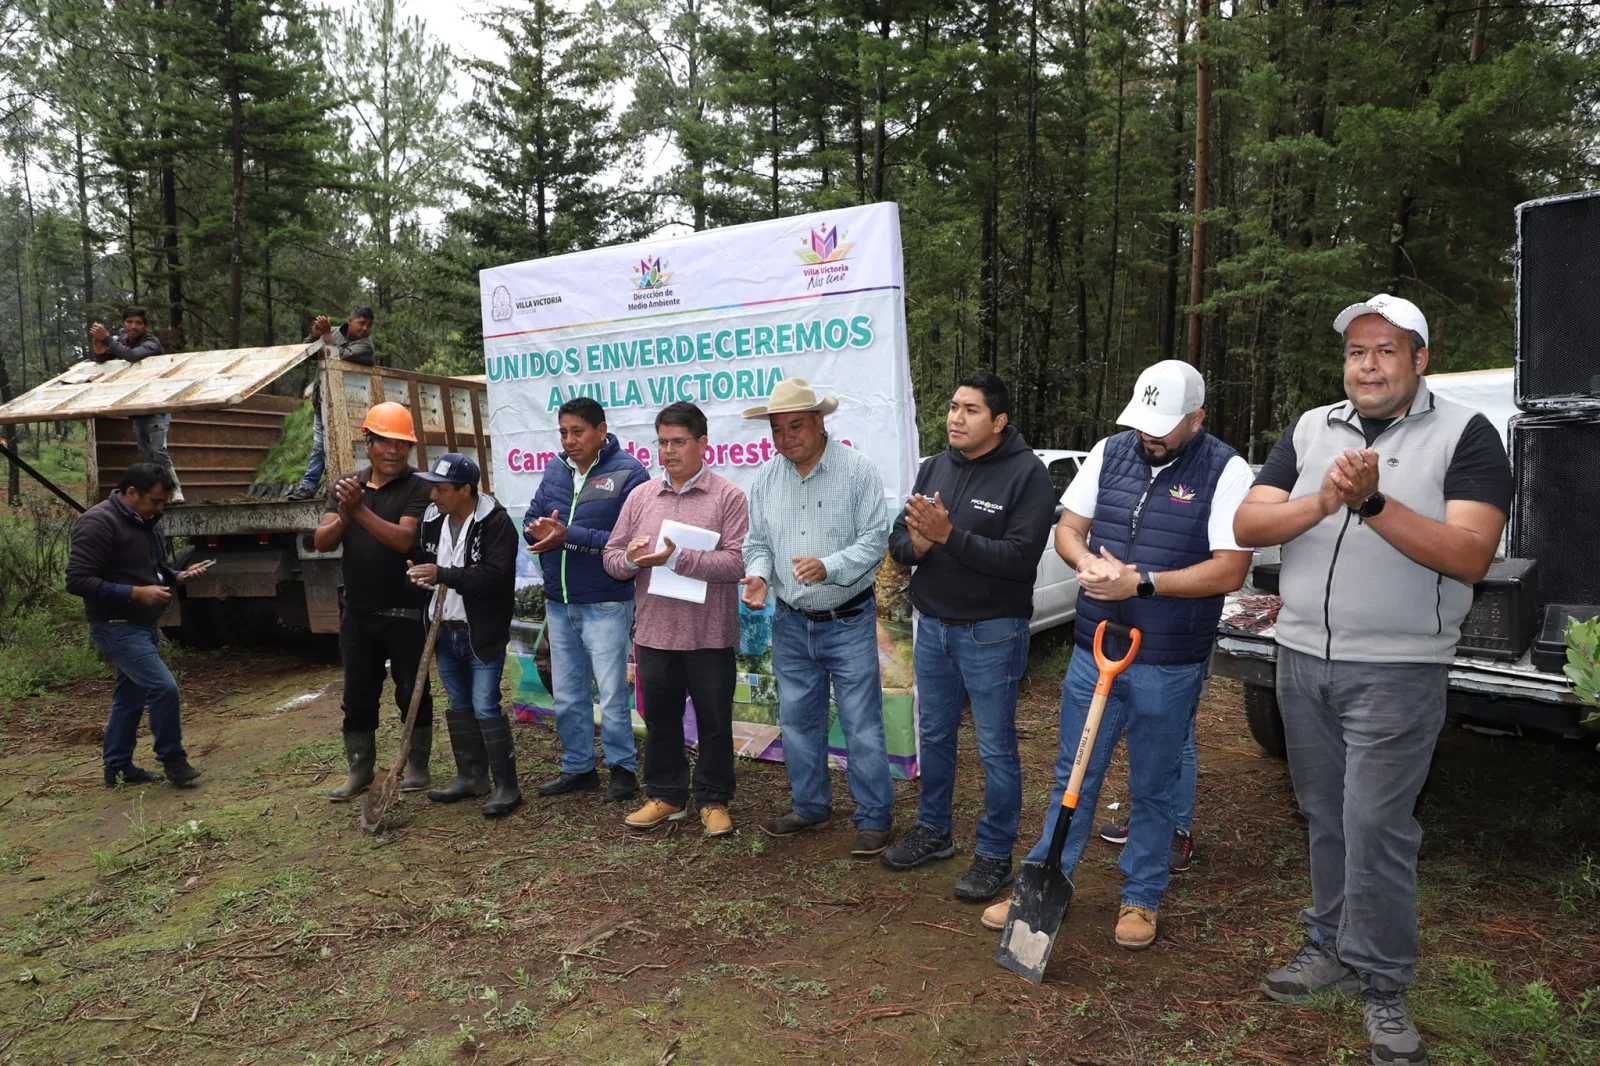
{"x":472,"y":761}
{"x":416,"y":778}
{"x":502,"y":764}
{"x":361,"y":752}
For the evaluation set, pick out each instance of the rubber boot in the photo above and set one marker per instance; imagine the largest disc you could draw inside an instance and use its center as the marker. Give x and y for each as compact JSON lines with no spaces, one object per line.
{"x":472,"y":761}
{"x":416,"y":778}
{"x":502,"y":764}
{"x":361,"y":752}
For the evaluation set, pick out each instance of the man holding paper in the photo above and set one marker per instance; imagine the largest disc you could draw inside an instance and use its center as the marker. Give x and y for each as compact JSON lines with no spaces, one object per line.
{"x":818,"y":526}
{"x":681,"y":541}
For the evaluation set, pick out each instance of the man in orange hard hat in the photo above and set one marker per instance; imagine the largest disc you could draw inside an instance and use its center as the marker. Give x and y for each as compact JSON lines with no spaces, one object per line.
{"x":375,"y":514}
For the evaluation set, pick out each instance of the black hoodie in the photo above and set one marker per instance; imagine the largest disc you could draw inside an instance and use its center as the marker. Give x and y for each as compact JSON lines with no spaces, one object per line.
{"x":1001,"y":506}
{"x":488,"y":583}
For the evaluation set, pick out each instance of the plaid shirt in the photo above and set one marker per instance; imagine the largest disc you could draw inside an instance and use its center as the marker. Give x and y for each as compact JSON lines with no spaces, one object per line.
{"x":836,"y":513}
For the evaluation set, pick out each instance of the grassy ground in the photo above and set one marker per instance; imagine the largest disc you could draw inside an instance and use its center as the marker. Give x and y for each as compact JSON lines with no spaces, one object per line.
{"x":249,"y":921}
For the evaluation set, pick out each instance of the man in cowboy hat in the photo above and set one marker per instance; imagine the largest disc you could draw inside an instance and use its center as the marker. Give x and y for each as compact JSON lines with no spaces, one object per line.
{"x":818,"y":527}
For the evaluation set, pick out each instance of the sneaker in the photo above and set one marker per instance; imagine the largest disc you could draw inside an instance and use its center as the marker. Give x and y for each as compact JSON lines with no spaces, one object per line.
{"x":1136,"y":927}
{"x":1312,"y":971}
{"x":919,"y":846}
{"x":1394,"y":1035}
{"x":984,"y":879}
{"x":787,"y":825}
{"x":714,"y":821}
{"x":653,"y":814}
{"x":1114,"y":832}
{"x":995,"y":914}
{"x":587,"y":781}
{"x":622,"y":786}
{"x":129,"y":775}
{"x":870,"y":842}
{"x":180,"y":772}
{"x":1182,"y":851}
{"x":303,"y":491}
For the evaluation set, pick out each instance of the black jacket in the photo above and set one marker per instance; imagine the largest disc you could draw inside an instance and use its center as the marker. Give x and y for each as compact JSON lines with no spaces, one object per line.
{"x":118,"y":348}
{"x":1001,"y":506}
{"x":488,"y":582}
{"x":113,"y":550}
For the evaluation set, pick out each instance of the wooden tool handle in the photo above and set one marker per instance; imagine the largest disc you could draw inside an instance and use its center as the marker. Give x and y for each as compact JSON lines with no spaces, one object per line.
{"x":1080,"y":764}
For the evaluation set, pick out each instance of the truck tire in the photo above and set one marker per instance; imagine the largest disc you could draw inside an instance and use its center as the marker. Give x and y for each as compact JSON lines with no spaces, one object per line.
{"x":1265,"y":721}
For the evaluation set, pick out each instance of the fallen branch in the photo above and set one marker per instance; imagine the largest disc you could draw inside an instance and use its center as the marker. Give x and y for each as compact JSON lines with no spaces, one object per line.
{"x":948,"y":929}
{"x":875,"y":1012}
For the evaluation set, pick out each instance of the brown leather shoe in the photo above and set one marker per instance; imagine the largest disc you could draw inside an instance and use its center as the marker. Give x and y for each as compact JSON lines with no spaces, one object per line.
{"x":787,"y":825}
{"x":715,"y":821}
{"x":1136,"y":927}
{"x":994,"y":915}
{"x":653,"y":814}
{"x":871,"y":842}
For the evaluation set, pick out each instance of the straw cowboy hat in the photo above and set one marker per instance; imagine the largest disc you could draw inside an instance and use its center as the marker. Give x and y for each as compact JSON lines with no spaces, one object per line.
{"x":794,"y":396}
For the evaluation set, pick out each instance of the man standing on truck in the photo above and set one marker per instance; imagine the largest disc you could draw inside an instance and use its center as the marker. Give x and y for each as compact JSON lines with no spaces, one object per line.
{"x":589,"y":613}
{"x":375,"y":514}
{"x":115,"y":565}
{"x":974,"y":528}
{"x":137,"y":342}
{"x":1389,"y":507}
{"x":351,"y":342}
{"x":1149,"y":528}
{"x":469,"y":551}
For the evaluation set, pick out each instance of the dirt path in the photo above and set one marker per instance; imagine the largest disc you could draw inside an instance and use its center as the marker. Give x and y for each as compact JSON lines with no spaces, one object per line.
{"x":248,"y":921}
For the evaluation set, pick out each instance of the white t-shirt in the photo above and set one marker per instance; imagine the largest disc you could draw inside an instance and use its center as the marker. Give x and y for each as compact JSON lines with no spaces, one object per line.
{"x":1232,"y":487}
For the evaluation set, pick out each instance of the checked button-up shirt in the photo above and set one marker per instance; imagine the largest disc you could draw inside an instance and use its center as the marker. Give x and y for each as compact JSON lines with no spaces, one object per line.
{"x":836,"y":513}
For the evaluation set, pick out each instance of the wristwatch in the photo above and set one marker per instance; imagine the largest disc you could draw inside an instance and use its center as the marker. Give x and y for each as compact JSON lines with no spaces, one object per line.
{"x":1147,"y":586}
{"x":1372,"y":506}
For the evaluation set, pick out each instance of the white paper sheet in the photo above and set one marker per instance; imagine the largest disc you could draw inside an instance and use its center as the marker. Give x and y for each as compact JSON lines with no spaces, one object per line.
{"x":665,"y":582}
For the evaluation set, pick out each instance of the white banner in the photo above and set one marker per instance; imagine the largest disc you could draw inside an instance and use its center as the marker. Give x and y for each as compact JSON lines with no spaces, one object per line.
{"x":716,"y":318}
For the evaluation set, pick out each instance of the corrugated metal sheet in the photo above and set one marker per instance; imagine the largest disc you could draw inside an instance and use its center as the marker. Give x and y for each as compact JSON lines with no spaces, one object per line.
{"x":159,"y":383}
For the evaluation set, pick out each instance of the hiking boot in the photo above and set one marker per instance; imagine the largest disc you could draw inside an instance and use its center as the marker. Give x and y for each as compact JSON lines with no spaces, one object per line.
{"x":502,"y":752}
{"x":654,"y":814}
{"x":984,"y":879}
{"x":416,"y":778}
{"x":303,"y":491}
{"x":995,"y":914}
{"x":1312,"y":971}
{"x":361,"y":752}
{"x":129,"y":774}
{"x":1181,"y":854}
{"x":787,"y":825}
{"x":714,"y":820}
{"x":587,"y":781}
{"x":1114,"y":832}
{"x":919,"y":846}
{"x":472,"y":760}
{"x":180,"y":772}
{"x":871,"y":842}
{"x":1394,"y":1035}
{"x":622,"y":786}
{"x":1136,"y":927}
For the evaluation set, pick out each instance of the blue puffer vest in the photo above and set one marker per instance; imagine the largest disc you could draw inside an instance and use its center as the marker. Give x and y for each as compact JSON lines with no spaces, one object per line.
{"x":1171,"y":535}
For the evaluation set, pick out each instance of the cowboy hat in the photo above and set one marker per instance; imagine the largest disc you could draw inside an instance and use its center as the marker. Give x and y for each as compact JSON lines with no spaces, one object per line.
{"x":794,"y":396}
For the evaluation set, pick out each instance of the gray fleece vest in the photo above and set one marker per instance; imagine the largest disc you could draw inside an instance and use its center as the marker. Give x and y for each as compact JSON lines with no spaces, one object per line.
{"x":1347,"y":593}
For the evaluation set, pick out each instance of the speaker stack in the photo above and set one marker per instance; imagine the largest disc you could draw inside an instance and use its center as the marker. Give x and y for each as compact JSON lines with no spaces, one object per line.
{"x":1555,"y":441}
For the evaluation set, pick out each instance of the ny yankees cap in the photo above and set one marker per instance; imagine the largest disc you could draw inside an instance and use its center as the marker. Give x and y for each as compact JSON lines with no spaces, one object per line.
{"x":1400,"y":312}
{"x":452,"y":468}
{"x":1163,"y":395}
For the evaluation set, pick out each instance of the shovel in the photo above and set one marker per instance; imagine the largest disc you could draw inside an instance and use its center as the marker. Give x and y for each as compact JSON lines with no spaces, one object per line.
{"x":1039,"y":901}
{"x":380,"y":798}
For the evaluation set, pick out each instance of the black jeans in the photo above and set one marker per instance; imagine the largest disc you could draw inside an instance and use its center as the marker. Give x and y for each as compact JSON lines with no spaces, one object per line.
{"x":367,"y":641}
{"x":705,"y":675}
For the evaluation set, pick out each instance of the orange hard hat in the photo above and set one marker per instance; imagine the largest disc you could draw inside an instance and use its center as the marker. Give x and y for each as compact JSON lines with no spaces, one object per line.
{"x":390,"y":420}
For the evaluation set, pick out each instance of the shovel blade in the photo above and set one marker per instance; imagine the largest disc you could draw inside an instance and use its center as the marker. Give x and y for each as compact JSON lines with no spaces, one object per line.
{"x":1038,"y":906}
{"x":377,"y":802}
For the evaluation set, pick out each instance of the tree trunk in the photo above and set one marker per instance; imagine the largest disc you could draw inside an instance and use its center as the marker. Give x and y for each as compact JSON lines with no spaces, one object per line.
{"x":1116,"y":211}
{"x":169,"y":211}
{"x":697,"y":162}
{"x":1169,"y":290}
{"x":880,"y":110}
{"x":772,"y":93}
{"x":1202,"y":130}
{"x":85,"y":238}
{"x":1480,"y":25}
{"x":989,"y":267}
{"x":236,"y":147}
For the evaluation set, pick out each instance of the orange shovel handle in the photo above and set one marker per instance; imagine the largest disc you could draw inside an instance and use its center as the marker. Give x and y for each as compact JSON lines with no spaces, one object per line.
{"x":1110,"y":668}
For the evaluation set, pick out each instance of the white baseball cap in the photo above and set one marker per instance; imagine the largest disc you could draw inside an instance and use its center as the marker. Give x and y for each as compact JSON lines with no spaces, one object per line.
{"x":1399,"y":312}
{"x":1162,"y":396}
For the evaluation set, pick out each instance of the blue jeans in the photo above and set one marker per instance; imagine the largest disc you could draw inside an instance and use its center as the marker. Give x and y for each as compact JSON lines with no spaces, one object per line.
{"x":150,"y":431}
{"x":319,"y":448}
{"x":1156,"y":705}
{"x":805,"y":656}
{"x":982,"y":661}
{"x":1188,"y":777}
{"x":590,"y":640}
{"x":470,"y":683}
{"x":134,"y":648}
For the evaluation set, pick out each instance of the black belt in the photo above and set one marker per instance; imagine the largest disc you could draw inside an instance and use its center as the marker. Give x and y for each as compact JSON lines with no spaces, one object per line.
{"x":409,"y":614}
{"x":459,"y":627}
{"x":848,"y":609}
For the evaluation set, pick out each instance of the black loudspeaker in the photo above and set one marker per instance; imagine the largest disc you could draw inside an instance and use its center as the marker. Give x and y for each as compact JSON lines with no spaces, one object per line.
{"x":1550,"y":646}
{"x":1500,"y":623}
{"x":1558,"y":303}
{"x":1555,"y":510}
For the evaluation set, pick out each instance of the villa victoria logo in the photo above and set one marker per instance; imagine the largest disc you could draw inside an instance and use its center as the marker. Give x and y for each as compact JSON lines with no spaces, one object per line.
{"x":822,"y":256}
{"x":1181,"y":494}
{"x":652,"y":286}
{"x":503,"y":307}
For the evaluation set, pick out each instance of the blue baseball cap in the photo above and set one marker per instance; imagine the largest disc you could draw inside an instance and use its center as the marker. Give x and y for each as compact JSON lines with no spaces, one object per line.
{"x":451,"y":468}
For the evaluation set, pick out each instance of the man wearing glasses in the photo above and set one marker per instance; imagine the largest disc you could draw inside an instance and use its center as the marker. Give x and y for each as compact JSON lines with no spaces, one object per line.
{"x":685,"y":647}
